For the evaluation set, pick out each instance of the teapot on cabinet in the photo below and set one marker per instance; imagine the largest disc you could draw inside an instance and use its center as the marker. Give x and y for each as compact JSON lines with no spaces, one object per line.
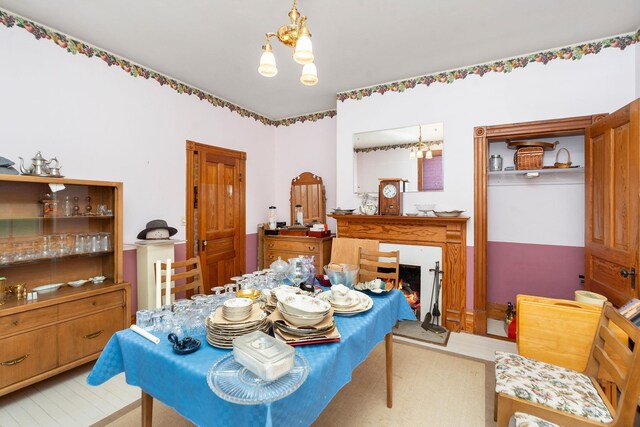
{"x":40,"y":166}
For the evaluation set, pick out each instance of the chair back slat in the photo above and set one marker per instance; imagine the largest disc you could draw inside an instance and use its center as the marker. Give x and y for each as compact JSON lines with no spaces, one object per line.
{"x":609,"y":366}
{"x":364,"y":263}
{"x":192,"y":276}
{"x":612,"y":344}
{"x":370,"y":263}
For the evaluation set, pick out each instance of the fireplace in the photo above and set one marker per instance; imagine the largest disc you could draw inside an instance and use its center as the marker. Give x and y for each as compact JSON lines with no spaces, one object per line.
{"x":409,"y":278}
{"x":450,"y":234}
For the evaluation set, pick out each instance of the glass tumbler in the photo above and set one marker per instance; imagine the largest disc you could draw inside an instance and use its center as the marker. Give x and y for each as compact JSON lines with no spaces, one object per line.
{"x":143,"y":319}
{"x":79,"y":246}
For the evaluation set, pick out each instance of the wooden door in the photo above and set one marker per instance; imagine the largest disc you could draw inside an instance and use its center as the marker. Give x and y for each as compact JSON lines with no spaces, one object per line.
{"x":612,"y":156}
{"x":216,"y":200}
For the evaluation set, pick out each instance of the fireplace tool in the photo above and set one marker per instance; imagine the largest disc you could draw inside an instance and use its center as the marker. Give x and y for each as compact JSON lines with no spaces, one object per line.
{"x":432,"y":319}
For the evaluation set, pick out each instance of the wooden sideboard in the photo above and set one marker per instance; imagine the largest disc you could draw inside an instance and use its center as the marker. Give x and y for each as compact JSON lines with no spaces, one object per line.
{"x":287,"y":247}
{"x":66,"y":329}
{"x":450,"y":234}
{"x":57,"y":231}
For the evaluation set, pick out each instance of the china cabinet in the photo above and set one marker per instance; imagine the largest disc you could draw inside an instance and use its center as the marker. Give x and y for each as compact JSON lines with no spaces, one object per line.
{"x":57,"y":231}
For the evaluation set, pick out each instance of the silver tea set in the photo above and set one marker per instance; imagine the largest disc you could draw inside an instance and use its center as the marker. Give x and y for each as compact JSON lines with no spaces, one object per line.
{"x":41,"y":166}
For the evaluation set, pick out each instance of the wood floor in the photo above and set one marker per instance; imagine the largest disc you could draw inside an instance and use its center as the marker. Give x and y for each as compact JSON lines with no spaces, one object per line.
{"x":66,"y":400}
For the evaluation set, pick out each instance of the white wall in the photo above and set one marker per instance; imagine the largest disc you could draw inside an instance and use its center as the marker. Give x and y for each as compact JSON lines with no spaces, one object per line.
{"x":103,"y":124}
{"x":596,"y":83}
{"x":390,"y":163}
{"x":303,"y":147}
{"x":531,"y":212}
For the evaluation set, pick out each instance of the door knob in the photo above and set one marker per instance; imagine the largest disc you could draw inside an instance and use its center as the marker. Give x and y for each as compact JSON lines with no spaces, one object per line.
{"x":631,"y":273}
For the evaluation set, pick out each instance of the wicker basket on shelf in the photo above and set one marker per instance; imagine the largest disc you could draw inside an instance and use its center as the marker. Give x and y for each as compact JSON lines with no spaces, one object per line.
{"x":527,"y":158}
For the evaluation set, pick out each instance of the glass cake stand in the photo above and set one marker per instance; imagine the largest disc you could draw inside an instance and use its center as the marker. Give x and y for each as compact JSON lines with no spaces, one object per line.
{"x":234,"y":383}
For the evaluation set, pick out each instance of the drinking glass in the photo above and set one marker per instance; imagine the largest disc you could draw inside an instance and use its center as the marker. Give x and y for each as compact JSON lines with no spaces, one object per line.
{"x":143,"y":319}
{"x":101,"y":210}
{"x":105,"y":241}
{"x":79,"y":246}
{"x":92,"y":243}
{"x":157,"y":327}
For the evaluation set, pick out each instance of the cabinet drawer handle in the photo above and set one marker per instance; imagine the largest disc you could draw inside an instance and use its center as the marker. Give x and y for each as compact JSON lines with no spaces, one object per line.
{"x":93,"y":335}
{"x":15,"y":322}
{"x":312,"y":248}
{"x":272,"y":245}
{"x":14,"y":361}
{"x":93,"y":303}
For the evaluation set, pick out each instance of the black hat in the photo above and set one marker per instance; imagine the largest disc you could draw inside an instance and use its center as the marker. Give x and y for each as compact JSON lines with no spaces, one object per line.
{"x":155,"y":225}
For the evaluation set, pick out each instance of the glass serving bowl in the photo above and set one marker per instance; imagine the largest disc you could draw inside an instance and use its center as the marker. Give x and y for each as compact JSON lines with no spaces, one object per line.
{"x":234,"y":383}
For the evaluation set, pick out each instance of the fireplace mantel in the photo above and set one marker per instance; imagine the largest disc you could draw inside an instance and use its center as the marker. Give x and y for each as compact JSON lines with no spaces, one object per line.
{"x":450,"y":234}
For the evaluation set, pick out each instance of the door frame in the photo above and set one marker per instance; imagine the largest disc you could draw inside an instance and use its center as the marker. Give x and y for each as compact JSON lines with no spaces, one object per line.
{"x":193,"y":148}
{"x":483,"y":136}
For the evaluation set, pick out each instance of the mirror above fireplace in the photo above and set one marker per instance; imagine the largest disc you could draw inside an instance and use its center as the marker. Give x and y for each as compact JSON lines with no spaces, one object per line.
{"x":413,"y":152}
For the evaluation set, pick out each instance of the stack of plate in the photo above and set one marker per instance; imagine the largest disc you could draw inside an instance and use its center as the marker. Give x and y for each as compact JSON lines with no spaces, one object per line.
{"x":304,"y":331}
{"x":221,"y":332}
{"x":302,"y":310}
{"x":236,"y":309}
{"x":354,"y":303}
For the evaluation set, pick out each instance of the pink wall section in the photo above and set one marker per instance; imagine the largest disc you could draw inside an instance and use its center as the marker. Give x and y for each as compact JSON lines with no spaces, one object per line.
{"x":544,"y":270}
{"x":251,"y":257}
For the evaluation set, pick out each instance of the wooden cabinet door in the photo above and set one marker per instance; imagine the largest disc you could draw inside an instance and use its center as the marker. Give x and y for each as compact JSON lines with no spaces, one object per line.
{"x":221,"y":216}
{"x":27,"y":355}
{"x":612,"y":155}
{"x":87,"y":335}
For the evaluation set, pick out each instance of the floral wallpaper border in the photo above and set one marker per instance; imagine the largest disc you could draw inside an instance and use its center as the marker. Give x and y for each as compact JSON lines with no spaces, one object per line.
{"x":78,"y":47}
{"x":393,"y":146}
{"x":503,"y":66}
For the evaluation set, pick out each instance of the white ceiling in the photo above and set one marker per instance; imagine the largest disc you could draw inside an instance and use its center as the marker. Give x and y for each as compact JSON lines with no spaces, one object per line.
{"x":215,"y":45}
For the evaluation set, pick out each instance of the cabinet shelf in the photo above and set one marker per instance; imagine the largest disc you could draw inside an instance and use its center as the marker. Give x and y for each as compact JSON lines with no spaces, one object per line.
{"x":49,"y":259}
{"x":551,"y":176}
{"x":56,"y":218}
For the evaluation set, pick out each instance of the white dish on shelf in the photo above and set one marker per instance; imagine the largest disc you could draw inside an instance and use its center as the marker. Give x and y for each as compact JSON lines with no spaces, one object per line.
{"x":98,"y":279}
{"x":48,"y":288}
{"x":78,"y":283}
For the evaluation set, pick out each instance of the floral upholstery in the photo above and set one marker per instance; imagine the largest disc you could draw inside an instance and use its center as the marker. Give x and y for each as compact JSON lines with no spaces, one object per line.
{"x":549,"y":385}
{"x":520,"y":419}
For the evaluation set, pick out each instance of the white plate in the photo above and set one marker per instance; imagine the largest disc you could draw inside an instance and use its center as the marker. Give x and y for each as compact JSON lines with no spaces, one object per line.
{"x":365,"y":304}
{"x":98,"y":279}
{"x":77,"y":283}
{"x":303,"y":304}
{"x":48,"y":288}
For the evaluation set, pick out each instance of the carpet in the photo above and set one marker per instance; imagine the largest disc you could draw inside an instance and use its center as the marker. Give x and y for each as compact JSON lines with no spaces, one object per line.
{"x":413,"y":329}
{"x":431,"y":388}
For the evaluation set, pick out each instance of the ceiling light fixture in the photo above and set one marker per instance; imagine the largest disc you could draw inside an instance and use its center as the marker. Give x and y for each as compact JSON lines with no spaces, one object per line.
{"x":421,"y":149}
{"x":297,"y":36}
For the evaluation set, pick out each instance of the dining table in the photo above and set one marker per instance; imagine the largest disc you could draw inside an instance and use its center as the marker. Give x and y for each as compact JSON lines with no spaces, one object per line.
{"x":180,"y":381}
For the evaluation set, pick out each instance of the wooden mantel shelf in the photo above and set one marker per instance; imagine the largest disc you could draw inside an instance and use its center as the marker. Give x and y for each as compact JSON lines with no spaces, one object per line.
{"x":450,"y":234}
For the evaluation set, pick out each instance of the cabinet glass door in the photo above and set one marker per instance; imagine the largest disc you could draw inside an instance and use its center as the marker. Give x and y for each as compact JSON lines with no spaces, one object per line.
{"x":56,"y":232}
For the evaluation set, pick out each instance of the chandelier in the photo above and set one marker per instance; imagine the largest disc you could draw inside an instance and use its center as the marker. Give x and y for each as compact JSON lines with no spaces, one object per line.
{"x":297,"y":36}
{"x":421,"y":149}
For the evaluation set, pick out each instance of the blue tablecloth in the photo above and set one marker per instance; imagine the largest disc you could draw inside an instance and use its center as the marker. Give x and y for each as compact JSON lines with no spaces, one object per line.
{"x":180,"y":381}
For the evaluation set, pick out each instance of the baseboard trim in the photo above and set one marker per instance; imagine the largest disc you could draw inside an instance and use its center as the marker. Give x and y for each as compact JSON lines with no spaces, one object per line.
{"x":468,"y":322}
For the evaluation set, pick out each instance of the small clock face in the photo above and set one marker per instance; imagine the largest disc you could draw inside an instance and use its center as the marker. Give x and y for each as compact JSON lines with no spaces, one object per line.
{"x":389,"y":191}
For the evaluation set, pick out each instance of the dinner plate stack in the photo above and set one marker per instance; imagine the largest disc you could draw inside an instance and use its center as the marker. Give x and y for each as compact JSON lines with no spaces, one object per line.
{"x":236,"y":309}
{"x":221,"y":332}
{"x":354,"y":303}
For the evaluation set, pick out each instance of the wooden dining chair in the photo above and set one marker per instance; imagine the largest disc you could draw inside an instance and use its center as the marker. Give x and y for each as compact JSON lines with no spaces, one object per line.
{"x":370,"y":265}
{"x":188,"y":279}
{"x":571,"y":398}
